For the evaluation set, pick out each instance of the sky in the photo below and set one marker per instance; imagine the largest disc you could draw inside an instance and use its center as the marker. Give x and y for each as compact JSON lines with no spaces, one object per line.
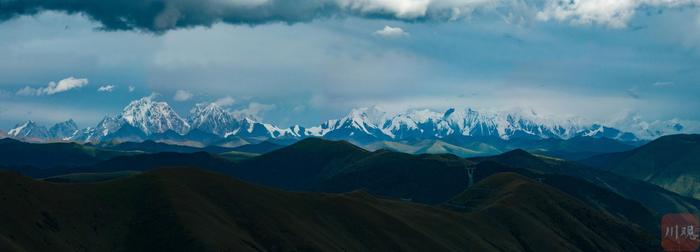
{"x":303,"y":62}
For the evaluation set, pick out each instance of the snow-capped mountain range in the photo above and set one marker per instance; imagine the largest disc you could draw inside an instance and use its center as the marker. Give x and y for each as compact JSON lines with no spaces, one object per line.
{"x":29,"y":129}
{"x":147,"y":118}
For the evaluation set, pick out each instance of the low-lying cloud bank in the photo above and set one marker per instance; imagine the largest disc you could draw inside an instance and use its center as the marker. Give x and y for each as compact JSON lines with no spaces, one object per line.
{"x":158,"y":16}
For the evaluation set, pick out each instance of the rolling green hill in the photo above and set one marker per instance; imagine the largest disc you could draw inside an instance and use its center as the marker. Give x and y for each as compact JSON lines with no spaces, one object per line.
{"x":89,"y":177}
{"x":299,"y":165}
{"x":424,"y":178}
{"x":671,"y":162}
{"x":658,"y":199}
{"x":571,"y":149}
{"x":318,"y":165}
{"x":150,"y":146}
{"x":15,"y":153}
{"x":435,"y":147}
{"x":529,"y":210}
{"x":338,"y":166}
{"x":140,"y":162}
{"x":193,"y":210}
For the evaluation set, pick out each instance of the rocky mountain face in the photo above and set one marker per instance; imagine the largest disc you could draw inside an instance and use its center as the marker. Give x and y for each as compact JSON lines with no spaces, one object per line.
{"x":63,"y":130}
{"x":367,"y":125}
{"x":29,"y":130}
{"x":212,"y":118}
{"x":153,"y":117}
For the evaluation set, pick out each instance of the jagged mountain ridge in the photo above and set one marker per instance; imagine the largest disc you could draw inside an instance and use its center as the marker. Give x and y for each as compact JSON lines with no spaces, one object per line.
{"x":144,"y":118}
{"x":426,"y":124}
{"x":30,"y":130}
{"x":153,"y":117}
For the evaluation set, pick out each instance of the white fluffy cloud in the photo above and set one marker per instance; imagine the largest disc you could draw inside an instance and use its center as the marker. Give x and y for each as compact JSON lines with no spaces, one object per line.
{"x":54,"y":87}
{"x":131,"y":89}
{"x":663,"y":84}
{"x":182,"y":95}
{"x":254,"y":110}
{"x":225,"y":101}
{"x":613,"y":13}
{"x":106,"y":88}
{"x":391,"y":32}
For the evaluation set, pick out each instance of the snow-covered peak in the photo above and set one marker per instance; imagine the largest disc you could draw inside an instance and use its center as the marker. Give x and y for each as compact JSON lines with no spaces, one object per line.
{"x":360,"y":122}
{"x":109,"y":124}
{"x":297,"y":130}
{"x":425,"y":115}
{"x":212,"y":118}
{"x":29,"y":129}
{"x":20,"y":127}
{"x":360,"y":119}
{"x":63,"y":130}
{"x":644,"y":129}
{"x":373,"y":115}
{"x":417,"y":123}
{"x":425,"y":123}
{"x":145,"y":117}
{"x":153,"y":117}
{"x":468,"y":122}
{"x":514,"y":122}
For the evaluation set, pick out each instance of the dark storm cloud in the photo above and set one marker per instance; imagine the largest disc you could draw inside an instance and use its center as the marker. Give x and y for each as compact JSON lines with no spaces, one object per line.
{"x":162,"y":15}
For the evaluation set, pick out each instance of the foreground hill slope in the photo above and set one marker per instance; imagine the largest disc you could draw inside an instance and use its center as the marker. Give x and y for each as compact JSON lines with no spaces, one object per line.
{"x":660,"y":200}
{"x":337,"y":166}
{"x":194,"y":210}
{"x":533,"y":211}
{"x":672,"y":162}
{"x":593,"y":196}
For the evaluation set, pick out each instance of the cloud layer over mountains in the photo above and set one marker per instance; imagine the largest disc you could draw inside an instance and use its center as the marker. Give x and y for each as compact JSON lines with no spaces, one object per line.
{"x":162,"y":15}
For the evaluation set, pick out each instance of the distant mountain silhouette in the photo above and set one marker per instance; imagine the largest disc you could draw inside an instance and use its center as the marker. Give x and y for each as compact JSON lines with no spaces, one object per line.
{"x":138,"y":162}
{"x":259,"y":148}
{"x":150,"y":146}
